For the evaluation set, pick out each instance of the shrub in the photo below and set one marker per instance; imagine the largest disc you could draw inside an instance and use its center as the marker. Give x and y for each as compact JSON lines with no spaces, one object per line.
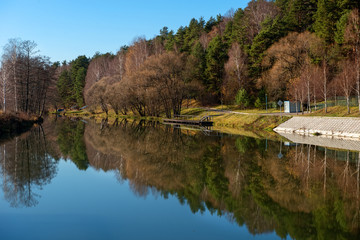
{"x":242,"y":98}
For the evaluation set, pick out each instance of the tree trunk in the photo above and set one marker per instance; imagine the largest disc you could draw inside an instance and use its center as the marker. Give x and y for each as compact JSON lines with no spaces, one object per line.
{"x":315,"y":99}
{"x":27,"y":83}
{"x":357,"y":64}
{"x":325,"y":85}
{"x":4,"y":90}
{"x":15,"y":85}
{"x":308,"y":96}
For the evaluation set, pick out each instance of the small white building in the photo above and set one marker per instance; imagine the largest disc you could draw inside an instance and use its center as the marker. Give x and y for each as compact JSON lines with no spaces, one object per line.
{"x":292,"y":107}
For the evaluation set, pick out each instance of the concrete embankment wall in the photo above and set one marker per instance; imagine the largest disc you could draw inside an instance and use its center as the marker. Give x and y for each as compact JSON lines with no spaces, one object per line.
{"x":326,"y":126}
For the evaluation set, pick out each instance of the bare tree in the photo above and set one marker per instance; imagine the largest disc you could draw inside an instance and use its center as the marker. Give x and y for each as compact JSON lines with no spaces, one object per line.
{"x":5,"y":72}
{"x":255,"y":13}
{"x":11,"y":55}
{"x":102,"y":65}
{"x":316,"y":85}
{"x":117,"y":98}
{"x":309,"y":75}
{"x":352,"y":38}
{"x":298,"y":90}
{"x":26,"y":76}
{"x":236,"y":66}
{"x":325,"y":82}
{"x":235,"y":72}
{"x":96,"y":96}
{"x":346,"y":81}
{"x":121,"y":57}
{"x":28,"y":48}
{"x":164,"y":75}
{"x":204,"y":40}
{"x":136,"y":54}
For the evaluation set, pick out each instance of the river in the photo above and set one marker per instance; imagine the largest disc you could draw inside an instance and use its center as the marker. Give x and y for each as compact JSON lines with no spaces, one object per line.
{"x":76,"y":179}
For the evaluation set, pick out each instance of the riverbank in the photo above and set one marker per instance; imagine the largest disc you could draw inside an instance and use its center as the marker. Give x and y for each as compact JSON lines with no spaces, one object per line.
{"x":252,"y":125}
{"x":256,"y":124}
{"x":11,"y":124}
{"x":249,"y":122}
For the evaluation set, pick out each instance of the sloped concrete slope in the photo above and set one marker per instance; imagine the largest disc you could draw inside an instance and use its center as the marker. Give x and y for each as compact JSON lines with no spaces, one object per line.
{"x":326,"y":126}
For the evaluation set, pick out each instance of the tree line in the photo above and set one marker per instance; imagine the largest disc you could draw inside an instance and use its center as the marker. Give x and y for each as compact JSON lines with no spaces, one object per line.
{"x":302,"y":50}
{"x":306,"y":51}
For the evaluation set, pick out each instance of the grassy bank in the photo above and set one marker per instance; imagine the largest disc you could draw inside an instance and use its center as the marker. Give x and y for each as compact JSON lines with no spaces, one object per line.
{"x":240,"y":122}
{"x":249,"y":122}
{"x":14,"y":124}
{"x":337,"y":111}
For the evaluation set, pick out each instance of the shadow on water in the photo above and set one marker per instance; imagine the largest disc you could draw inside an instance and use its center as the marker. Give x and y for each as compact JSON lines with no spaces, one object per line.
{"x":297,"y":190}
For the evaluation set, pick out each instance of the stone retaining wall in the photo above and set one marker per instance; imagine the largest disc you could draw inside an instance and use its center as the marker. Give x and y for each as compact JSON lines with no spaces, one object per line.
{"x":325,"y":126}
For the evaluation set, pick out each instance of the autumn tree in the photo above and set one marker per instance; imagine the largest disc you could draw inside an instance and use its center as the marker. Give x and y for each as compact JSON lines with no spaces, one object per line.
{"x":163,"y":77}
{"x":286,"y":60}
{"x":117,"y":98}
{"x":97,"y":96}
{"x":136,"y":54}
{"x":101,"y":65}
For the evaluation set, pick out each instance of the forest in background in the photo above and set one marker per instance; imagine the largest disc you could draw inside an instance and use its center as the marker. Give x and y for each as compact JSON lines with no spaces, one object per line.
{"x":302,"y":50}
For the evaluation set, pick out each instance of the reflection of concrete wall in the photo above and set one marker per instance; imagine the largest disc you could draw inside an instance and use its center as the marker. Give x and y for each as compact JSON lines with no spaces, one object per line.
{"x":326,"y":126}
{"x":336,"y":143}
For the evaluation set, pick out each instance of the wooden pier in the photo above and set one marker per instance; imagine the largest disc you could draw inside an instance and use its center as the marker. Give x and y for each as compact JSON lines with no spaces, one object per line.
{"x":190,"y":120}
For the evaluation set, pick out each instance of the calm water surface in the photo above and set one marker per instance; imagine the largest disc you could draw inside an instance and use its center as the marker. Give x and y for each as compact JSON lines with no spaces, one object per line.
{"x":75,"y":180}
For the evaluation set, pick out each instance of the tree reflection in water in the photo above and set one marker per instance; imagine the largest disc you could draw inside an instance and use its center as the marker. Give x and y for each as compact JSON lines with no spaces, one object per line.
{"x":27,"y":164}
{"x":308,"y":192}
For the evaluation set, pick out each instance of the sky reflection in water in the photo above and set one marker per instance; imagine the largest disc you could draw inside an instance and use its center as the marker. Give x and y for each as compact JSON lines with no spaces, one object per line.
{"x":88,"y":181}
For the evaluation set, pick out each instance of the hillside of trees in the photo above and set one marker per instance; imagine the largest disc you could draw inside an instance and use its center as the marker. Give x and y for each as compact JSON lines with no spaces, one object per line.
{"x":302,"y":50}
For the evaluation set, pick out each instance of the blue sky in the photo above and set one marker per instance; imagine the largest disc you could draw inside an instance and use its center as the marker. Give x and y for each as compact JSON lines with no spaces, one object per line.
{"x":65,"y":29}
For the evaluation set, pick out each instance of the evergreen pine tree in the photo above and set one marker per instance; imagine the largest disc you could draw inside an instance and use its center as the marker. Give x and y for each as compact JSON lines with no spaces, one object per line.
{"x":215,"y":60}
{"x":326,"y":16}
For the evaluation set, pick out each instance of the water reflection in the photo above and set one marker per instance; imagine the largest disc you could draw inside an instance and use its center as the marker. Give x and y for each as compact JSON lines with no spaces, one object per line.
{"x":297,"y":190}
{"x":308,"y":192}
{"x":27,"y":164}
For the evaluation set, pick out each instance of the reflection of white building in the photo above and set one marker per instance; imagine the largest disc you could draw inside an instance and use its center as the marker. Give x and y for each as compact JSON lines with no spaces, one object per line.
{"x":292,"y":107}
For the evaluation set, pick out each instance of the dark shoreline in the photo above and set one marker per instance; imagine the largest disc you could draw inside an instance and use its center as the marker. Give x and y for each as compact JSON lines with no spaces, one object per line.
{"x":13,"y":125}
